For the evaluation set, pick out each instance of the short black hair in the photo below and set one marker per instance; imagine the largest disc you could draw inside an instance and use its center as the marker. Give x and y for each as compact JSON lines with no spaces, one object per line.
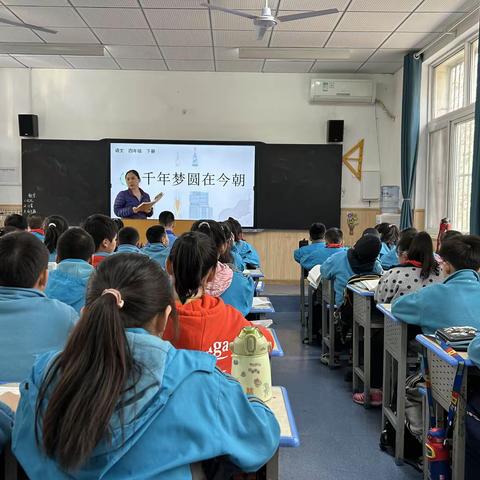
{"x":75,"y":243}
{"x":23,"y":257}
{"x":166,"y":218}
{"x":16,"y":220}
{"x":371,"y":231}
{"x":100,"y":227}
{"x":317,"y":231}
{"x":462,"y":252}
{"x":119,"y":223}
{"x":451,"y":234}
{"x":405,"y":239}
{"x":134,"y":172}
{"x":156,"y":233}
{"x":334,"y":235}
{"x":35,"y":221}
{"x":128,"y":236}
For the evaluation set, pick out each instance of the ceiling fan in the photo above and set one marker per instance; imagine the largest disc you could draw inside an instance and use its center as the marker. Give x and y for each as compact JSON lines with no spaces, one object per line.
{"x":27,"y":25}
{"x":266,"y":20}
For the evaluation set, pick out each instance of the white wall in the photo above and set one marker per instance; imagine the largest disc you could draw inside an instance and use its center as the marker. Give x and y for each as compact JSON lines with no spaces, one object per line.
{"x":81,"y":104}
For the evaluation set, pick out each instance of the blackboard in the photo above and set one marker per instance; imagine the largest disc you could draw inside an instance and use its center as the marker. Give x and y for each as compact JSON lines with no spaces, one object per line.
{"x":65,"y":177}
{"x":295,"y":185}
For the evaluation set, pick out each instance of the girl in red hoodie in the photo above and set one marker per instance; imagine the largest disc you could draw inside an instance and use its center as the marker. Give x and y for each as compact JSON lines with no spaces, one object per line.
{"x":205,"y":323}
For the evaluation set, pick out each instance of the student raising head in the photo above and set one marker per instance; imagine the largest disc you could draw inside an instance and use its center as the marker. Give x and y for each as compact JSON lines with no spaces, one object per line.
{"x":397,"y":255}
{"x":36,"y":225}
{"x":55,"y":225}
{"x":206,"y":322}
{"x":167,"y":219}
{"x":68,"y":282}
{"x":455,"y":301}
{"x":104,"y":233}
{"x":157,"y":246}
{"x":128,"y":240}
{"x":30,"y":322}
{"x":333,"y":245}
{"x":231,"y":286}
{"x":249,"y":255}
{"x":119,"y":399}
{"x":418,"y":269}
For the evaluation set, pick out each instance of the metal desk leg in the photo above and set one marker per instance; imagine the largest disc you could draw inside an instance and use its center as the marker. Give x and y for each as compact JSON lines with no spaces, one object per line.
{"x":400,"y":430}
{"x":367,"y":352}
{"x":271,"y":469}
{"x":331,"y":327}
{"x":387,"y":385}
{"x":458,"y":453}
{"x":309,"y":318}
{"x":302,"y":297}
{"x":356,"y":355}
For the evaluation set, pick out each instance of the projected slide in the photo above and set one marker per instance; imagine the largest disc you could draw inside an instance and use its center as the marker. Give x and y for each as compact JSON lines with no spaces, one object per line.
{"x":198,"y":181}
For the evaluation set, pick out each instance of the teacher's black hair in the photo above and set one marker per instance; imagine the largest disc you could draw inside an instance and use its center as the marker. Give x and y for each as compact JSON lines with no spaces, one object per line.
{"x":134,"y":172}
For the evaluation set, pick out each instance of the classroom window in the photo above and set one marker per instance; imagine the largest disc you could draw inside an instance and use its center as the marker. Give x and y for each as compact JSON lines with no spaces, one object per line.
{"x":473,"y":74}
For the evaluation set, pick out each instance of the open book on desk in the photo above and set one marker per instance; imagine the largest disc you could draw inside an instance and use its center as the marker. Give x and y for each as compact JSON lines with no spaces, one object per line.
{"x":261,"y":302}
{"x":267,"y":322}
{"x":368,"y":285}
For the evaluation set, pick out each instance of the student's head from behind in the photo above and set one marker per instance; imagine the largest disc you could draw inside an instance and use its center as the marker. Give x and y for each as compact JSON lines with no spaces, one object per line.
{"x":236,"y":228}
{"x":157,"y":234}
{"x":167,"y":219}
{"x":192,"y":264}
{"x":226,"y":256}
{"x":389,"y":233}
{"x":126,"y":291}
{"x":371,"y":231}
{"x":363,"y":255}
{"x":103,"y":231}
{"x":119,"y":223}
{"x":132,"y":179}
{"x":317,"y":231}
{"x":23,"y":261}
{"x":55,"y":225}
{"x":421,"y":250}
{"x":75,"y":243}
{"x":460,"y":253}
{"x":404,"y":242}
{"x":35,"y":221}
{"x":214,"y":230}
{"x":448,"y":235}
{"x":16,"y":220}
{"x":128,"y":236}
{"x":334,"y":236}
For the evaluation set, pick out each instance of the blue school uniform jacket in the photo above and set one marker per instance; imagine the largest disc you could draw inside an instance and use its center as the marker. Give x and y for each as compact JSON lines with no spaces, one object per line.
{"x":455,"y":302}
{"x":240,"y":293}
{"x":53,"y":256}
{"x":338,"y":268}
{"x":39,"y":236}
{"x":182,"y":410}
{"x":319,"y":256}
{"x":158,"y":251}
{"x":474,"y":351}
{"x":30,"y":324}
{"x":238,"y":262}
{"x":127,"y":248}
{"x":171,"y":237}
{"x":385,"y":250}
{"x":301,"y":252}
{"x":68,"y":283}
{"x":247,"y":252}
{"x":389,"y":259}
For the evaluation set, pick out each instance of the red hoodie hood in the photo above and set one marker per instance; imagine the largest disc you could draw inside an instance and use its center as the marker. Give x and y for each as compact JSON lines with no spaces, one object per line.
{"x":208,"y":324}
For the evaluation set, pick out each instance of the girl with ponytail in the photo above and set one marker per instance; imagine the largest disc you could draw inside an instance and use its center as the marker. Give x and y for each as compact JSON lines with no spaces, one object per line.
{"x":120,"y":399}
{"x":55,"y":225}
{"x":206,"y":322}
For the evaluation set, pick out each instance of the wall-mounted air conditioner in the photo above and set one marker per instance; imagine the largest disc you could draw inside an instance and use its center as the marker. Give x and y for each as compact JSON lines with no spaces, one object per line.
{"x":342,"y":90}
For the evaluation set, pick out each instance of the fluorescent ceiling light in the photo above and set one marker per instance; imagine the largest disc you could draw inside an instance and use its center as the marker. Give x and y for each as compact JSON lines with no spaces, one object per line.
{"x":294,"y":53}
{"x":52,"y":49}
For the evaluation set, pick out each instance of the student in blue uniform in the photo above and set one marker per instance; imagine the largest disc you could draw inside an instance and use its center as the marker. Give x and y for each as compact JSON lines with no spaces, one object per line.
{"x":317,"y":242}
{"x":358,"y":260}
{"x":15,"y":221}
{"x":157,"y":410}
{"x":55,"y":225}
{"x":104,"y":233}
{"x":394,"y":256}
{"x":231,"y":257}
{"x":244,"y":249}
{"x":68,"y":282}
{"x":334,"y":244}
{"x":456,"y":301}
{"x":167,"y":219}
{"x":389,"y":234}
{"x":35,"y":225}
{"x":232,"y":287}
{"x":157,"y":246}
{"x":128,"y":240}
{"x":30,"y":322}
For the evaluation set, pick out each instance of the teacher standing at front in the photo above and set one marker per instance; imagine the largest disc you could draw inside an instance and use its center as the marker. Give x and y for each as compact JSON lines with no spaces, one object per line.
{"x":128,"y":203}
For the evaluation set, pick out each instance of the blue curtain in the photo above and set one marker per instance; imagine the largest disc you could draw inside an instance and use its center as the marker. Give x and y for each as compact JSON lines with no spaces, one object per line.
{"x":412,"y":78}
{"x":475,"y":205}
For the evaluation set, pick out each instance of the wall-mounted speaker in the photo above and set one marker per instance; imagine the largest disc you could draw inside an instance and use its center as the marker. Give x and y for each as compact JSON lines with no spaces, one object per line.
{"x":335,"y":131}
{"x":28,"y":125}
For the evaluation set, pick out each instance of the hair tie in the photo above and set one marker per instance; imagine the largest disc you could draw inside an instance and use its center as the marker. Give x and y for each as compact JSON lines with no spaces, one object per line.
{"x":52,"y":225}
{"x":116,"y":294}
{"x":204,"y":223}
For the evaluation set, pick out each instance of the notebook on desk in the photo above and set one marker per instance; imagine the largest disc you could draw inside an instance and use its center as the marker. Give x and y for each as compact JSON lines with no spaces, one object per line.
{"x":262,"y":323}
{"x":368,"y":285}
{"x":261,"y":302}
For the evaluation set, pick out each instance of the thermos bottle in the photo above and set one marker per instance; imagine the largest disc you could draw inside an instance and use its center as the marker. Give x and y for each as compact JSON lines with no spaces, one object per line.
{"x":438,"y":455}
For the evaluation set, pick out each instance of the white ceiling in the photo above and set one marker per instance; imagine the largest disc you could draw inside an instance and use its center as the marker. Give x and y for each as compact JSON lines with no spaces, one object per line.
{"x":181,"y":35}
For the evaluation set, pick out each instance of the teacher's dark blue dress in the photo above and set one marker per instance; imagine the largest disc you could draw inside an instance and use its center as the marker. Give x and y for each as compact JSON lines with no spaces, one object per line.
{"x":126,"y":200}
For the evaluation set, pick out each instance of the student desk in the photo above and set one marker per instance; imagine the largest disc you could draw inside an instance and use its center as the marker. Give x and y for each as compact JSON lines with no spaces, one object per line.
{"x":254,"y":273}
{"x":362,"y":318}
{"x":328,"y":321}
{"x":443,"y":368}
{"x":259,"y":287}
{"x":266,"y":306}
{"x":277,"y":350}
{"x":394,"y":367}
